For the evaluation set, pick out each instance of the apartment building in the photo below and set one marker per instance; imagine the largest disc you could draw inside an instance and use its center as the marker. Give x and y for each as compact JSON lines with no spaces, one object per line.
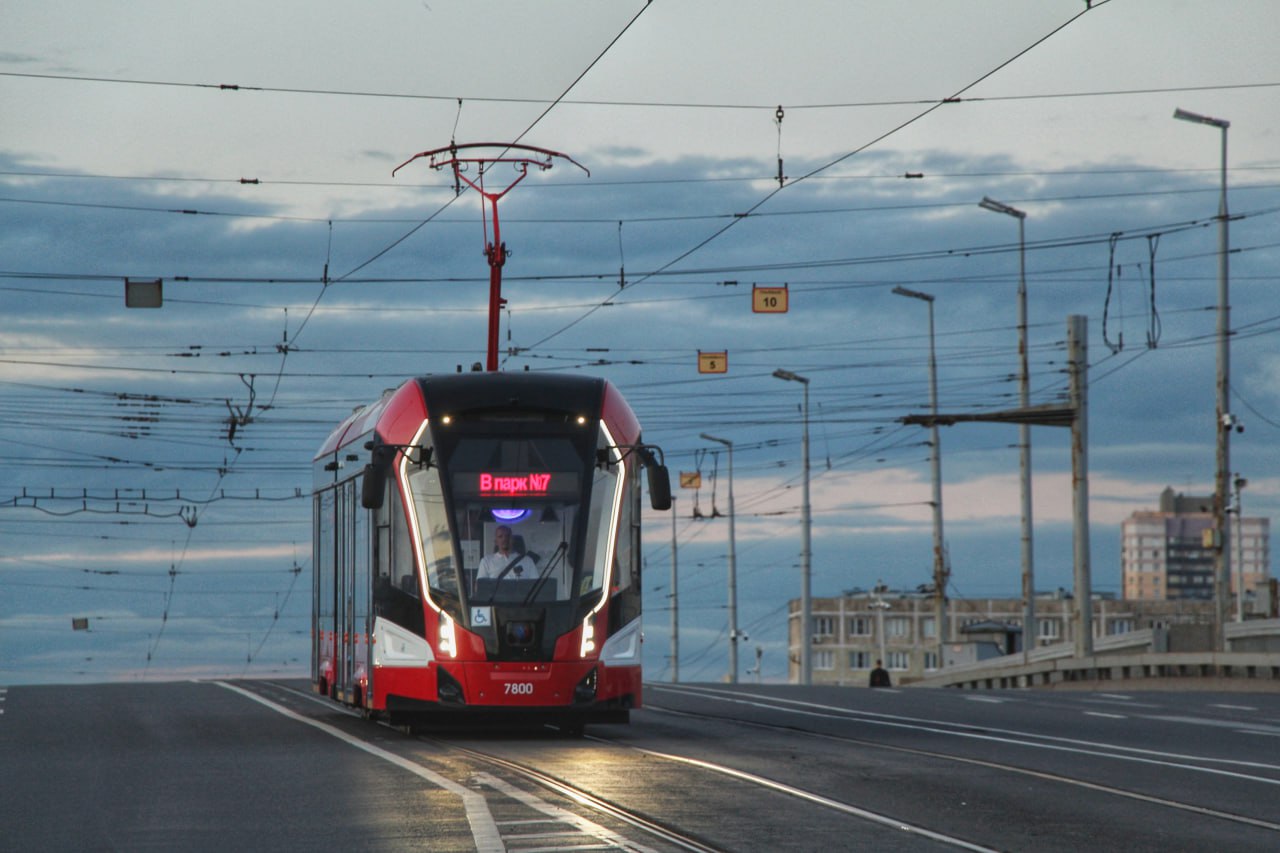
{"x":1164,"y":553}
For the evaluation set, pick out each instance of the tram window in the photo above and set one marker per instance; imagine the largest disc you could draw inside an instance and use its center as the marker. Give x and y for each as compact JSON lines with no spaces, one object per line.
{"x":604,"y":495}
{"x":433,"y":525}
{"x":536,"y":544}
{"x":402,"y":547}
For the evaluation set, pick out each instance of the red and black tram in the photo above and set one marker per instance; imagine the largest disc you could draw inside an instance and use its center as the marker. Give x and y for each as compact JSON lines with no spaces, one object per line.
{"x":477,"y":551}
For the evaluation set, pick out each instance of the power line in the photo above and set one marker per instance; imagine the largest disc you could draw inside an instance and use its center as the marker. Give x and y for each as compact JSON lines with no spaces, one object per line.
{"x":690,"y":105}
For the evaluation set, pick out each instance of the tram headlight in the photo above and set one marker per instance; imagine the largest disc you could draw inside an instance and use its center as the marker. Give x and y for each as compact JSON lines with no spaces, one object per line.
{"x":448,"y":640}
{"x":588,"y":635}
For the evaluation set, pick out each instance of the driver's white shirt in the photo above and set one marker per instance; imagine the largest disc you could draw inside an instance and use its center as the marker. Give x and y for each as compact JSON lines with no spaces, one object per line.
{"x":492,"y":566}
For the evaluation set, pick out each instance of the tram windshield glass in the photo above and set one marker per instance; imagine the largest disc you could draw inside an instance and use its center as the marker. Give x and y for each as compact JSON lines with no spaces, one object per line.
{"x":523,"y":533}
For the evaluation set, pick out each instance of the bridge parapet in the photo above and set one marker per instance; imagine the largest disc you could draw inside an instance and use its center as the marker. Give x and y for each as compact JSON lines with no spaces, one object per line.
{"x":1135,"y":660}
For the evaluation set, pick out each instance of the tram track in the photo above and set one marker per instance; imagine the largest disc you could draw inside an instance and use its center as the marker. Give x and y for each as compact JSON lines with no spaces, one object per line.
{"x":683,"y":840}
{"x":576,"y":794}
{"x":584,"y":798}
{"x":651,"y":826}
{"x":598,"y":798}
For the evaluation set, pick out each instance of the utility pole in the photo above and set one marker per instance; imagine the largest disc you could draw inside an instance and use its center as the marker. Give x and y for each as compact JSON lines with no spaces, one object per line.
{"x":733,"y":570}
{"x":806,"y":542}
{"x":1224,"y":421}
{"x":940,"y":573}
{"x":1024,"y":430}
{"x":1078,"y":367}
{"x":675,"y":603}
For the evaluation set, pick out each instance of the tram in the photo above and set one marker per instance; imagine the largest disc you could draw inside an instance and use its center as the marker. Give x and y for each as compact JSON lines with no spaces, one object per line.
{"x":477,"y":551}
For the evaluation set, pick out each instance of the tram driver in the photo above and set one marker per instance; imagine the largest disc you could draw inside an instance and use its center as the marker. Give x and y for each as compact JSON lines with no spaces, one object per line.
{"x":503,"y":555}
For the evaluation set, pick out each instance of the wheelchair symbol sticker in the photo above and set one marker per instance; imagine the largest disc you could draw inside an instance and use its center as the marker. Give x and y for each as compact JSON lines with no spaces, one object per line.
{"x":481,"y":617}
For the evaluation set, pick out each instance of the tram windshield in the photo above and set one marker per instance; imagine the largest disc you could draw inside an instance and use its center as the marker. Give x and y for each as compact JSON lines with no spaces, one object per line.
{"x":522,"y":531}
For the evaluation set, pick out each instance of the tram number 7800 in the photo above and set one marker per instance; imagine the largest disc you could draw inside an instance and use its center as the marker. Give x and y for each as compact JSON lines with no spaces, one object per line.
{"x":518,"y":688}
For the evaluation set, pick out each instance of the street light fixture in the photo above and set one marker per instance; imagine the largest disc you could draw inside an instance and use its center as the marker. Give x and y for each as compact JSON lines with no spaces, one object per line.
{"x":1024,"y":430}
{"x":733,"y":570}
{"x":1223,"y":421}
{"x":940,"y":574}
{"x":806,"y":523}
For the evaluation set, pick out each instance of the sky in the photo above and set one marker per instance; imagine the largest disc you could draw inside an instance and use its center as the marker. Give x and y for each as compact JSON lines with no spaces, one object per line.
{"x":243,"y":153}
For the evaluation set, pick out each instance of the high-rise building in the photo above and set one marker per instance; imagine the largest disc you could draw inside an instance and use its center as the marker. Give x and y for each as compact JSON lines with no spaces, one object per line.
{"x":1168,"y":553}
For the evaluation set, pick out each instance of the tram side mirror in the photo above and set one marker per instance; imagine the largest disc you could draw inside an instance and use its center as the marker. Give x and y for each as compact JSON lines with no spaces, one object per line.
{"x":374,"y":489}
{"x":659,"y":487}
{"x":659,"y":479}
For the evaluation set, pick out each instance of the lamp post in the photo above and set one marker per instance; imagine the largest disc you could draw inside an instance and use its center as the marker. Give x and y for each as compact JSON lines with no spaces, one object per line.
{"x":675,"y":603}
{"x":880,"y":606}
{"x":1223,"y":420}
{"x":806,"y":523}
{"x":1024,"y":430}
{"x":733,"y":570}
{"x":940,"y":575}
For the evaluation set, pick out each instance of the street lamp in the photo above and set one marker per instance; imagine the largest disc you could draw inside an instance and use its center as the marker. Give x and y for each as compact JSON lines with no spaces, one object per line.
{"x":733,"y":570}
{"x":880,"y":606}
{"x":1223,"y":420}
{"x":806,"y":524}
{"x":1024,"y":430}
{"x":939,"y":563}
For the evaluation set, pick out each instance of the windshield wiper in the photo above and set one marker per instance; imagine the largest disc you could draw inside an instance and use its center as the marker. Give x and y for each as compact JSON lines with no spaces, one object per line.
{"x":545,"y":572}
{"x":502,"y":574}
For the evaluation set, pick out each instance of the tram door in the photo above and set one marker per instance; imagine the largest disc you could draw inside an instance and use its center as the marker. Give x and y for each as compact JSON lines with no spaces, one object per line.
{"x":360,"y":581}
{"x":353,"y":581}
{"x":347,"y":511}
{"x":323,"y":591}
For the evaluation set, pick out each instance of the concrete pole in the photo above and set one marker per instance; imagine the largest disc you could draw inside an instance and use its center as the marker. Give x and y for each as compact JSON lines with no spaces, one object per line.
{"x":806,"y":542}
{"x":733,"y":570}
{"x":1078,"y":361}
{"x":1223,"y":421}
{"x":940,"y":573}
{"x":806,"y":556}
{"x":1024,"y":454}
{"x":1024,"y":430}
{"x":675,"y":603}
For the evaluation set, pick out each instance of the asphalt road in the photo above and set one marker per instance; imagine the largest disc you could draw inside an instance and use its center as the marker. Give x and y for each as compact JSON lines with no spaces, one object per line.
{"x":266,"y":766}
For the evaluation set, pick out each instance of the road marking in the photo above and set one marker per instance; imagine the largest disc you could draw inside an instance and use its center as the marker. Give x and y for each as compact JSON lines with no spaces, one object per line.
{"x":483,"y":829}
{"x":1235,"y":707}
{"x":1108,"y":716}
{"x":991,"y":699}
{"x":874,"y":817}
{"x":1117,"y":752}
{"x":557,"y":817}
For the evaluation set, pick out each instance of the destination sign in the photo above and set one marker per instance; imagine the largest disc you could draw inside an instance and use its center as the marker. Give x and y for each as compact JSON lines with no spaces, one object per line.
{"x":505,"y":484}
{"x":511,"y":484}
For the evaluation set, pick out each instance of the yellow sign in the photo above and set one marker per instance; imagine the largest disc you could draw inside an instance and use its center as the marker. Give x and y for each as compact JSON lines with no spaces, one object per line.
{"x":769,"y":300}
{"x":691,"y":479}
{"x":713,"y":362}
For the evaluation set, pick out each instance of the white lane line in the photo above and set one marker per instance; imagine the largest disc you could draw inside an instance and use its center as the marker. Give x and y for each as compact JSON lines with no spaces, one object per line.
{"x":990,"y":699}
{"x":1032,"y":740}
{"x":558,"y":816}
{"x":1235,"y":707}
{"x":483,"y":829}
{"x":1108,"y":716}
{"x":874,"y":817}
